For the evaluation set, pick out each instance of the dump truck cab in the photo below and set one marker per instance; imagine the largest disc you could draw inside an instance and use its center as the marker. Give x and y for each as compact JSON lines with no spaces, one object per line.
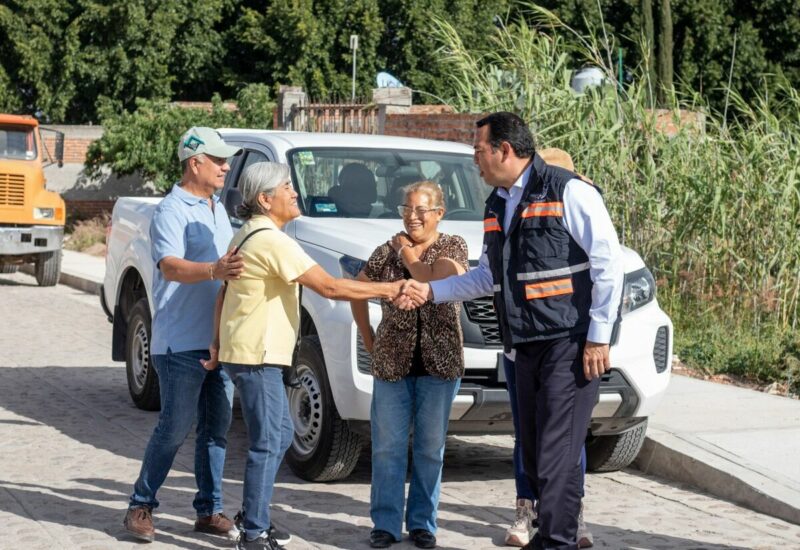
{"x":31,"y":218}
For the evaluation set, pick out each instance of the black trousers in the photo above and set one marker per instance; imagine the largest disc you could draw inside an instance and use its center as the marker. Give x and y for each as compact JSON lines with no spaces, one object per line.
{"x":555,"y":405}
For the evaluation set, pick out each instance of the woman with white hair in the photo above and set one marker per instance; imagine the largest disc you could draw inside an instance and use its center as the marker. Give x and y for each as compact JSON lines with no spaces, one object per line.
{"x":258,"y":317}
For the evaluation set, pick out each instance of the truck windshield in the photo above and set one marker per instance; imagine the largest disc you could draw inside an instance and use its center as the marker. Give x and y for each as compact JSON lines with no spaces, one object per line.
{"x":17,"y":142}
{"x":368,"y":183}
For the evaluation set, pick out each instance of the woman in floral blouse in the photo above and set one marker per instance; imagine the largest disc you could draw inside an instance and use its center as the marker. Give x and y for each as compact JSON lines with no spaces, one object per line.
{"x":417,"y":364}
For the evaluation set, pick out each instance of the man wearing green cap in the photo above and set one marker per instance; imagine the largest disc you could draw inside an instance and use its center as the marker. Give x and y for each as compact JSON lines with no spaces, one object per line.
{"x":189,"y":234}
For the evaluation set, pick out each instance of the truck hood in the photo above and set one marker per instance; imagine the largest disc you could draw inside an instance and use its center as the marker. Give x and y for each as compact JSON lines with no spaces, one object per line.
{"x":358,"y":237}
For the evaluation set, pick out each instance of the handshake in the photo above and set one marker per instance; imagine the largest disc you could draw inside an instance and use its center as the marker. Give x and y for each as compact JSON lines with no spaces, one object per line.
{"x":412,"y":294}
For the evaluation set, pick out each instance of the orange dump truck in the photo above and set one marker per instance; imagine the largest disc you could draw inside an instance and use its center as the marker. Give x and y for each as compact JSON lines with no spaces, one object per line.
{"x":31,"y":218}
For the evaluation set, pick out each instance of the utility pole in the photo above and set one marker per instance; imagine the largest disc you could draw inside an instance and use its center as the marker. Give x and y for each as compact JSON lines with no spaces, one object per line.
{"x":354,"y":47}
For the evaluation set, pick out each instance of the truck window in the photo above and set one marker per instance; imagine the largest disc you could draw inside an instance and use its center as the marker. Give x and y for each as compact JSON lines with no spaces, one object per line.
{"x":368,"y":183}
{"x":17,"y":142}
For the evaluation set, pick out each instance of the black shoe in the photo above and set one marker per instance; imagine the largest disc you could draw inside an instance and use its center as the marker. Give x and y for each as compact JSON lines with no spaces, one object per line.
{"x":423,"y":538}
{"x":379,"y":538}
{"x":280,"y":536}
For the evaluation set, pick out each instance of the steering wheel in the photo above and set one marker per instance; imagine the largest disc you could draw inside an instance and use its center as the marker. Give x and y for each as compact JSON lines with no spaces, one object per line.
{"x":454,"y":213}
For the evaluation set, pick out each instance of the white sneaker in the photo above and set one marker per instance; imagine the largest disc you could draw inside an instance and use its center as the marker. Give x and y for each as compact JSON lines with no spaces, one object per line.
{"x":585,"y":538}
{"x":519,"y":533}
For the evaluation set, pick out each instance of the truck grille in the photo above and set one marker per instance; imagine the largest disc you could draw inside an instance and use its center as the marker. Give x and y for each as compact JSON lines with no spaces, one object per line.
{"x":481,"y":310}
{"x":12,"y":190}
{"x":480,"y":314}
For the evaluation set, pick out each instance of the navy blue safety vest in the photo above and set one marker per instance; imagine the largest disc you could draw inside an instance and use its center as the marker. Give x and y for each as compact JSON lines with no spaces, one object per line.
{"x":542,"y":287}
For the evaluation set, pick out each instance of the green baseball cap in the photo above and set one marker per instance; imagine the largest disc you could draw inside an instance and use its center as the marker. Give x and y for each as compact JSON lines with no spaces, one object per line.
{"x":203,"y":140}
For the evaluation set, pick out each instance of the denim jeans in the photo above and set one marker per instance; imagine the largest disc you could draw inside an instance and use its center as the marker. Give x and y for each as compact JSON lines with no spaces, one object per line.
{"x":188,"y":392}
{"x":265,"y":409}
{"x":524,"y":489}
{"x":423,"y":402}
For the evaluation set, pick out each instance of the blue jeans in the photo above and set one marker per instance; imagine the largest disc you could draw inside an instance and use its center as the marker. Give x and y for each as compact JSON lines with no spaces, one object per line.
{"x":423,"y":402}
{"x":265,"y":409}
{"x":188,"y":392}
{"x":524,"y":489}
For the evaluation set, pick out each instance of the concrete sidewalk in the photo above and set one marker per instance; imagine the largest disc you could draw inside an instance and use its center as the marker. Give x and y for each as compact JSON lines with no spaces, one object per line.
{"x":734,"y":443}
{"x":738,"y":444}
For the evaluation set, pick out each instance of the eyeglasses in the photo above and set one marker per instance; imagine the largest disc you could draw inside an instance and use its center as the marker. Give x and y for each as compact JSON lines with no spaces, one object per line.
{"x":405,"y":211}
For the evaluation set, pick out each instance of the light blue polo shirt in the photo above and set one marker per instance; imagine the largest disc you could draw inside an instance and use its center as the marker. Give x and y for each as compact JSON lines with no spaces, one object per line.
{"x":184,"y":226}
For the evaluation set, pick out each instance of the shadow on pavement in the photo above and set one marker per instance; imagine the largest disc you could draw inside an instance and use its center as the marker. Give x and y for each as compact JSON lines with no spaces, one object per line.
{"x":91,"y":406}
{"x":68,"y":507}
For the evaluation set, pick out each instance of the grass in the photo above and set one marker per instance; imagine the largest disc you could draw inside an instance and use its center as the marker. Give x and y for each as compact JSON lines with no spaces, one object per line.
{"x":87,"y":236}
{"x":714,"y":209}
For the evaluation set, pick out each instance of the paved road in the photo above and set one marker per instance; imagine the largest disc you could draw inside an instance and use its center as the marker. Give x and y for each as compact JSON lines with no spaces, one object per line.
{"x":72,"y":441}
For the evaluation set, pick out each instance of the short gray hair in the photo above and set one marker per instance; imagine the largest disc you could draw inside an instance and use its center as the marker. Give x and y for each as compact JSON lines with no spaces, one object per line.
{"x":258,"y":178}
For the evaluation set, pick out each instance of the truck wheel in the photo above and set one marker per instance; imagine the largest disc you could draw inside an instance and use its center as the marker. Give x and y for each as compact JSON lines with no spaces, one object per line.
{"x":608,"y":453}
{"x":324,"y":448}
{"x":142,"y":377}
{"x":48,"y":268}
{"x":8,"y":268}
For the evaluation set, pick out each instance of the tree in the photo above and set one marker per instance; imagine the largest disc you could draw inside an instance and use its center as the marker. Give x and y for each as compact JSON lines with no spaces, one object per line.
{"x":407,"y":46}
{"x":665,"y":44}
{"x":37,"y":64}
{"x":310,"y":48}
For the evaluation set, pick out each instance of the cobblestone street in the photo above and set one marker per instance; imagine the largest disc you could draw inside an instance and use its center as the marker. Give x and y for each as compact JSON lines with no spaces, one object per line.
{"x":72,"y":442}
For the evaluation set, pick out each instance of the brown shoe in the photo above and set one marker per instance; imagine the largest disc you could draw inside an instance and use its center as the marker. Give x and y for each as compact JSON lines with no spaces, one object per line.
{"x":139,"y":523}
{"x":216,"y":524}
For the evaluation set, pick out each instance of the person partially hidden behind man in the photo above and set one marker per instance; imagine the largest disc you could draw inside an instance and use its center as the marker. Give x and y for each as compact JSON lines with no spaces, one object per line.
{"x":189,"y":233}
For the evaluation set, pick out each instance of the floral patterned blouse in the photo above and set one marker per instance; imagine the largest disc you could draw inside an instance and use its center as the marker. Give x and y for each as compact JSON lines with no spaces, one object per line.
{"x":440,"y":330}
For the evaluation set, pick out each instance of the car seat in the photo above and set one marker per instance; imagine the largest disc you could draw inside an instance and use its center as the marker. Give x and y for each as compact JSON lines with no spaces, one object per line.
{"x":356,"y":192}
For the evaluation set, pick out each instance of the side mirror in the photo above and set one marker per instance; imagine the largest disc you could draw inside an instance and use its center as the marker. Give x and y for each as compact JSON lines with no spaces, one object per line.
{"x":233,"y":198}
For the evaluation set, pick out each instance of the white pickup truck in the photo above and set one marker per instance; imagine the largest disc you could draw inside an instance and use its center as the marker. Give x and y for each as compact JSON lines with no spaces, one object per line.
{"x":344,"y":220}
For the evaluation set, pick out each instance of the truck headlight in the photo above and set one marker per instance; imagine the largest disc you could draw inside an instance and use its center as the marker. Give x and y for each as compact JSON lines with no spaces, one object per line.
{"x":44,"y":213}
{"x":639,"y":289}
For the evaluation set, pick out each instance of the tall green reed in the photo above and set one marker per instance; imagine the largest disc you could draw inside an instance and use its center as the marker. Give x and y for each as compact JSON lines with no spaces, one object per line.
{"x":713,"y":208}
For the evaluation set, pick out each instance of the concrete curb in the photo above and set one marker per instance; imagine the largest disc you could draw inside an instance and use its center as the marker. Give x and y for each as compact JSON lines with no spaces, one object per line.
{"x":73,"y":281}
{"x":701,"y":465}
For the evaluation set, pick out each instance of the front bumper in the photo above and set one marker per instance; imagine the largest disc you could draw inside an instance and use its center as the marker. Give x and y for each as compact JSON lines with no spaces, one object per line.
{"x":33,"y":239}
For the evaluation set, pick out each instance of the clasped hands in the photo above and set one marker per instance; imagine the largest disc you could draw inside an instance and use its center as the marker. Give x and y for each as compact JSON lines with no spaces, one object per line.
{"x":412,"y":294}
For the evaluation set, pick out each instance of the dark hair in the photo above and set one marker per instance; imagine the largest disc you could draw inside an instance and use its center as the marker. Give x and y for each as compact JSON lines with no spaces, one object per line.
{"x":504,"y":126}
{"x":245,"y":211}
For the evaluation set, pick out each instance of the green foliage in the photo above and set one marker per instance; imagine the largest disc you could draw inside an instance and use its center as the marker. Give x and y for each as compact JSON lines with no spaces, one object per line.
{"x":713,"y":209}
{"x":408,"y":47}
{"x":37,"y":57}
{"x":63,"y":56}
{"x":310,"y":46}
{"x":145,"y":140}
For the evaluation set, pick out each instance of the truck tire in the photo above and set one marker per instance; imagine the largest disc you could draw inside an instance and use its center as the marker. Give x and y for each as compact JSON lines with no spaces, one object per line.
{"x":48,"y":268}
{"x":609,"y":453}
{"x":324,"y":448}
{"x":142,"y":377}
{"x":8,"y":268}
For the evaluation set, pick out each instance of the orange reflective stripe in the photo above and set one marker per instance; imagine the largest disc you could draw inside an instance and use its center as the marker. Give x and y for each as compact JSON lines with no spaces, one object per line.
{"x":538,"y":209}
{"x":491,"y":224}
{"x":549,"y":288}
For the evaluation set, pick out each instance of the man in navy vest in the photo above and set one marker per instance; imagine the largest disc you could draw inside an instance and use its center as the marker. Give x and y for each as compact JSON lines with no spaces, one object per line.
{"x":553,"y":263}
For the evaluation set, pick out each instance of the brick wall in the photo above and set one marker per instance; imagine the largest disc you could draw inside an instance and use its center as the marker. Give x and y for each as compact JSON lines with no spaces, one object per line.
{"x":76,"y":141}
{"x":446,"y":126}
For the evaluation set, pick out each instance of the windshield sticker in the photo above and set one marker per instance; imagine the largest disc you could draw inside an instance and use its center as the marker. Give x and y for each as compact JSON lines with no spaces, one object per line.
{"x":306,"y":158}
{"x":325,"y":207}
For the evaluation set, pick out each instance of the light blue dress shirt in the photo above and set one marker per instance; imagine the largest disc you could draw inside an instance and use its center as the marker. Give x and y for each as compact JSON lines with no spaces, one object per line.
{"x":185,"y":226}
{"x":587,"y":221}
